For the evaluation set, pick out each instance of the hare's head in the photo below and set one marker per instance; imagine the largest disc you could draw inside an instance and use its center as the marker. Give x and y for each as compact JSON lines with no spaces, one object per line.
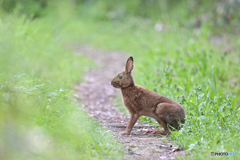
{"x":124,"y":79}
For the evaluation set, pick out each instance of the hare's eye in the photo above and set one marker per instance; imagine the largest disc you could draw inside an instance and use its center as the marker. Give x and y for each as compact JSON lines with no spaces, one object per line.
{"x":120,"y":77}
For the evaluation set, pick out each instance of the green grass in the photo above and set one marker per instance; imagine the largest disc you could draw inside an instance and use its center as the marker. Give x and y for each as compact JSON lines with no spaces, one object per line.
{"x":183,"y":65}
{"x":179,"y":62}
{"x":39,"y":118}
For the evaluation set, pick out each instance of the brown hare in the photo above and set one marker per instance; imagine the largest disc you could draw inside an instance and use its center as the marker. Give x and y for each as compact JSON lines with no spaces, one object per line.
{"x":143,"y":102}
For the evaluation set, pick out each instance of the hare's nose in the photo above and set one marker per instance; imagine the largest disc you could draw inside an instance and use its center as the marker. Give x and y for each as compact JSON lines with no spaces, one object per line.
{"x":112,"y":83}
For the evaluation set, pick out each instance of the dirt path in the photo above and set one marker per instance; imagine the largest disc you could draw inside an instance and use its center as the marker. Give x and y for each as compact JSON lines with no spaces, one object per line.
{"x":98,"y":97}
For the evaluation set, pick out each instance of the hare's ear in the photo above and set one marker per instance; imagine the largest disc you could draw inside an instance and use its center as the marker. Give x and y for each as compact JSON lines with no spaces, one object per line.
{"x":129,"y":65}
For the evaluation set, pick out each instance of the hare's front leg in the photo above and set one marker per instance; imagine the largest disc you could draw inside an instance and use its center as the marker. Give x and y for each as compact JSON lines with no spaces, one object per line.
{"x":132,"y":121}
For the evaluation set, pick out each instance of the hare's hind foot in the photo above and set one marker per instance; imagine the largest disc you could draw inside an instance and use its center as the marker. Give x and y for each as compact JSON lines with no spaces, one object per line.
{"x":156,"y":132}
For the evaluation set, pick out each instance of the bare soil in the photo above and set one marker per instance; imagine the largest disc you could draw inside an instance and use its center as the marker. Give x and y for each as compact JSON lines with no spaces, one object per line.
{"x":98,"y":96}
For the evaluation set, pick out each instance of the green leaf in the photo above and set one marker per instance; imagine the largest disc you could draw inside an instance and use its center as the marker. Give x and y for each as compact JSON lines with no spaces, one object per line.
{"x":212,"y":87}
{"x":234,"y":102}
{"x":176,"y":133}
{"x":238,"y":112}
{"x":214,"y":79}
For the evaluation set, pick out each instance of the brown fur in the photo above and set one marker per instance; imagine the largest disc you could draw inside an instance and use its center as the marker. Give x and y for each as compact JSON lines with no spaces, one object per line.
{"x":143,"y":102}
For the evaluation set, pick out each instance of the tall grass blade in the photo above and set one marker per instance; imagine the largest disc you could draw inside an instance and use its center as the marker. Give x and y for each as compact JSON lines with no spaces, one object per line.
{"x":212,"y":87}
{"x":214,"y":78}
{"x":234,"y":102}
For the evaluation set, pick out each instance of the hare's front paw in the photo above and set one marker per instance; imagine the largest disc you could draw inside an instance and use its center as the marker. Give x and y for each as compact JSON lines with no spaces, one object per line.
{"x":125,"y":132}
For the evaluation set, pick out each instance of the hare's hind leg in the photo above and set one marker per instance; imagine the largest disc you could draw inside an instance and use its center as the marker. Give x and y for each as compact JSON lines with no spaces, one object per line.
{"x":158,"y":131}
{"x":175,"y":121}
{"x":161,"y":119}
{"x":163,"y":110}
{"x":171,"y":115}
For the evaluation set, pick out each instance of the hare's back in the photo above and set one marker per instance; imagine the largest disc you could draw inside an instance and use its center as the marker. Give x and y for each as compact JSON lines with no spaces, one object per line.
{"x":153,"y":97}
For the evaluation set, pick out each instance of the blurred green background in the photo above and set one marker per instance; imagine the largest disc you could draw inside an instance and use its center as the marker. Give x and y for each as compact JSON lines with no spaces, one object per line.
{"x":186,"y":50}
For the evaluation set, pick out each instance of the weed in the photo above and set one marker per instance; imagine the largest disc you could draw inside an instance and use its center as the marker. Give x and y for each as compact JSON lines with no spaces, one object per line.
{"x":186,"y":68}
{"x":38,"y":119}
